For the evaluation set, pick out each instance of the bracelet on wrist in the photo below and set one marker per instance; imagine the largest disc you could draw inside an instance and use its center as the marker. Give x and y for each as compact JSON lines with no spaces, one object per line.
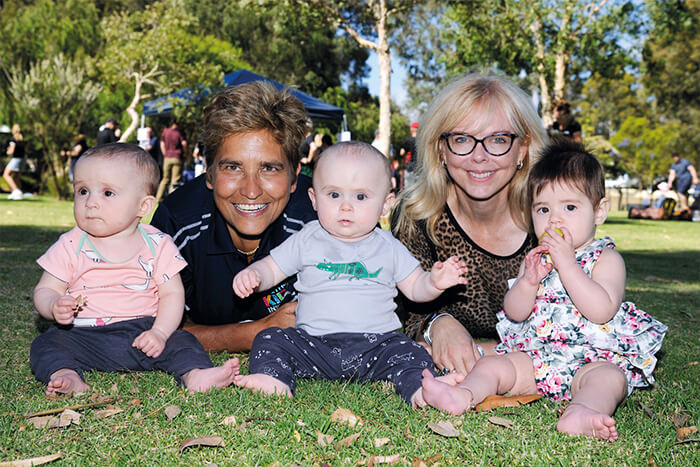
{"x":426,"y":334}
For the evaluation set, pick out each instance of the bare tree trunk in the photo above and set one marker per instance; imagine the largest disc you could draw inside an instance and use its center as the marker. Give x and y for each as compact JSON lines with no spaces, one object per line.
{"x":536,"y":28}
{"x":131,"y":110}
{"x":561,"y":59}
{"x":384,"y":58}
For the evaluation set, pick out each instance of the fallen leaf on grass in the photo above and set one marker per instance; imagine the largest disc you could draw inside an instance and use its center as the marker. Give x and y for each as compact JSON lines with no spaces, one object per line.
{"x":107,"y":412}
{"x":445,"y":429}
{"x":493,"y":402}
{"x":692,"y":363}
{"x":40,"y":422}
{"x":504,"y":422}
{"x":134,"y":402}
{"x":32,"y":461}
{"x":66,"y":418}
{"x":323,"y":439}
{"x":297,"y":436}
{"x":680,"y":419}
{"x":229,"y":421}
{"x":172,"y":411}
{"x":684,"y":432}
{"x":348,"y":441}
{"x":344,"y":416}
{"x":376,"y":460}
{"x":418,"y":462}
{"x":379,"y":442}
{"x":210,"y":441}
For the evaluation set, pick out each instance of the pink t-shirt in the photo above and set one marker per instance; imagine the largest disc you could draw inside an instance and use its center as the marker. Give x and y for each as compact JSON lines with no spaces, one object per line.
{"x":113,"y":291}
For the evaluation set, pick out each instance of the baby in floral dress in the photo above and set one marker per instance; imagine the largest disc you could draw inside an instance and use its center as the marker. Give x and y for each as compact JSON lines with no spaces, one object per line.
{"x":580,"y":341}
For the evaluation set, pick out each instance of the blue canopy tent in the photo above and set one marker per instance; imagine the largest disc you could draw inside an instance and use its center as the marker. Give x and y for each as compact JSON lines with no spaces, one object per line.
{"x":316,"y":108}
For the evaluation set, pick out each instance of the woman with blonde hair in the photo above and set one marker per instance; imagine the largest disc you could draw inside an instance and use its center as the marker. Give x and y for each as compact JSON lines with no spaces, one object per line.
{"x":476,"y":144}
{"x":11,"y":174}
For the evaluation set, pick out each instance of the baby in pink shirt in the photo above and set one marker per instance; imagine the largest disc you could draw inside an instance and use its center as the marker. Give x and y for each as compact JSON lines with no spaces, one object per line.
{"x":112,"y":284}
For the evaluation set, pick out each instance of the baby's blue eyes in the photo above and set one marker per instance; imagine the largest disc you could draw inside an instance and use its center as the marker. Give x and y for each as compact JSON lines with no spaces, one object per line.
{"x":336,"y":195}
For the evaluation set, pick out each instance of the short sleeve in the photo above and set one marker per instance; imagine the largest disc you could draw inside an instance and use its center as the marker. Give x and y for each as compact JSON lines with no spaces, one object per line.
{"x":287,"y":254}
{"x":169,"y":260}
{"x":58,"y":260}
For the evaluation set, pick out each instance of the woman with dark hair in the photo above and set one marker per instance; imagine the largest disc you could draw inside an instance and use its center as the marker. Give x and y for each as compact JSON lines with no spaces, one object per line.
{"x":249,"y":200}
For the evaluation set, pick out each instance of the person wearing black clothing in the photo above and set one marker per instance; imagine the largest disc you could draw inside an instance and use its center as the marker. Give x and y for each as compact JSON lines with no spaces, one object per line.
{"x":248,"y":201}
{"x":565,"y":124}
{"x":107,"y":133}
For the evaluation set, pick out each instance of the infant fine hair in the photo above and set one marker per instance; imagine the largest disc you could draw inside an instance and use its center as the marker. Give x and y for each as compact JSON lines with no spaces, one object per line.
{"x":147,"y":166}
{"x":358,"y":148}
{"x":566,"y":162}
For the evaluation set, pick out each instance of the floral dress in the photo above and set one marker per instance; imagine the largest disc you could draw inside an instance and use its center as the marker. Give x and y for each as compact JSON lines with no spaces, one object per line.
{"x":560,"y":340}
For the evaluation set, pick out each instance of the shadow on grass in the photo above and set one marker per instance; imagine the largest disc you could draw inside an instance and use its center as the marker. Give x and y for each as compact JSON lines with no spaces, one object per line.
{"x":682,"y":266}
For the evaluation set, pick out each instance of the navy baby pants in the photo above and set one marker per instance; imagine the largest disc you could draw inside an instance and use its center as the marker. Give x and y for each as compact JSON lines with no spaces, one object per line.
{"x":108,"y":348}
{"x":288,"y":354}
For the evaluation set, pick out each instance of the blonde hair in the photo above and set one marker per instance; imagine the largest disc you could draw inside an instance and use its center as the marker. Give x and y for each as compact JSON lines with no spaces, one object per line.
{"x":17,"y":132}
{"x":425,"y":200}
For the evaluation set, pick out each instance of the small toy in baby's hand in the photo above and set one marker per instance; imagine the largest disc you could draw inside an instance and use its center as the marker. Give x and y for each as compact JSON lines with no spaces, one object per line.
{"x":81,"y":302}
{"x":546,"y":259}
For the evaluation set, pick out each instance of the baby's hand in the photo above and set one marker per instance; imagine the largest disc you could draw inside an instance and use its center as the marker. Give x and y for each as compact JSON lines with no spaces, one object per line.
{"x":64,"y":309}
{"x":448,"y":273}
{"x":245,"y":282}
{"x":151,"y":342}
{"x":536,"y":269}
{"x":560,"y":247}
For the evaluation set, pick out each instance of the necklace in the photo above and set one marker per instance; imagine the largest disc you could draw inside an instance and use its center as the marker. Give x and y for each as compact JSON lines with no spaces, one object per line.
{"x":248,"y":253}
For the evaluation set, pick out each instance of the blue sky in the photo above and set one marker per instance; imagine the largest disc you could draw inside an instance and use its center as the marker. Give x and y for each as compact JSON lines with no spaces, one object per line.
{"x":398,"y":75}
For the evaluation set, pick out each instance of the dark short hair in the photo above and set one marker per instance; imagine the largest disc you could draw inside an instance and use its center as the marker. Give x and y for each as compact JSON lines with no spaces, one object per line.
{"x":254,"y":106}
{"x":563,"y":106}
{"x":147,"y":166}
{"x":567,"y":162}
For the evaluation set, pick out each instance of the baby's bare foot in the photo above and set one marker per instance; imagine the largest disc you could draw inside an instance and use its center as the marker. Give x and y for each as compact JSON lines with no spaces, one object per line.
{"x":259,"y":382}
{"x":203,"y":379}
{"x":66,"y":381}
{"x":445,"y":395}
{"x":580,"y":420}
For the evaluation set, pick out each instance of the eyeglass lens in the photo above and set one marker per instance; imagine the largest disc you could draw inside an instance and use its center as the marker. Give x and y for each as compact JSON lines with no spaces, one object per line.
{"x":463,"y":144}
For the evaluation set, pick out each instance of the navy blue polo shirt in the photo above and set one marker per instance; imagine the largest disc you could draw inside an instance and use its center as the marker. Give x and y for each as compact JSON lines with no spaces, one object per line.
{"x":190,"y":216}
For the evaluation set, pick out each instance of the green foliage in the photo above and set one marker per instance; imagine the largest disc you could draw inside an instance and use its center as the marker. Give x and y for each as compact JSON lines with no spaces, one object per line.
{"x":33,"y":31}
{"x":607,"y":102}
{"x":52,"y":99}
{"x":646,"y":148}
{"x":282,"y":41}
{"x":671,"y":59}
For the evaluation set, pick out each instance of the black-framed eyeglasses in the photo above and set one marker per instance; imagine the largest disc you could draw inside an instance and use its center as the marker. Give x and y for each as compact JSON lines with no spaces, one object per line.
{"x":462,"y":144}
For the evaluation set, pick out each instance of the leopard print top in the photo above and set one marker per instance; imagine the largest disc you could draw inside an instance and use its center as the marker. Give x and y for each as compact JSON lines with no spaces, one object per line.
{"x":475,"y":304}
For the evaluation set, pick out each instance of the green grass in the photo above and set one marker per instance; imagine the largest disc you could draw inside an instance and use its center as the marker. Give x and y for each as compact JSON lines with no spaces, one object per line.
{"x":663,"y":261}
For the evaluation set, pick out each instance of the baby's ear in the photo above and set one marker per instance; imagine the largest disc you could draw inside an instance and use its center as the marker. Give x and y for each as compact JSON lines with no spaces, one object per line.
{"x":601,"y":212}
{"x":388,"y":203}
{"x":147,"y":205}
{"x":312,"y":197}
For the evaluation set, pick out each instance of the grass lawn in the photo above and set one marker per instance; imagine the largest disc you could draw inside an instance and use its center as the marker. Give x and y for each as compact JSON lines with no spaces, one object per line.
{"x":663,"y":265}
